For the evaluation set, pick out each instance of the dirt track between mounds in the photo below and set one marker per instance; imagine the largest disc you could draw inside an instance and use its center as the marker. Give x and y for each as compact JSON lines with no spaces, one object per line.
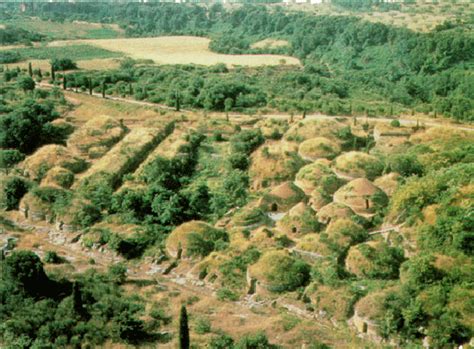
{"x":403,"y":121}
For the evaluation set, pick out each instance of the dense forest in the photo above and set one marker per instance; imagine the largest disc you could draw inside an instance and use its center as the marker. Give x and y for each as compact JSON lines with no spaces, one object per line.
{"x":345,"y":58}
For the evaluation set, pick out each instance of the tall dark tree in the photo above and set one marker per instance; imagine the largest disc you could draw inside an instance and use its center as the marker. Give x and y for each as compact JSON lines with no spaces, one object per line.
{"x":89,"y":81}
{"x":103,"y":89}
{"x":177,"y":101}
{"x":30,"y":69}
{"x":53,"y":73}
{"x":64,"y":82}
{"x":183,"y":329}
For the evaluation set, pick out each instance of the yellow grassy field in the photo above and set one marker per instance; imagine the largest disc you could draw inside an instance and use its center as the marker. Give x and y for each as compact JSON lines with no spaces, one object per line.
{"x":270,"y":43}
{"x":180,"y":50}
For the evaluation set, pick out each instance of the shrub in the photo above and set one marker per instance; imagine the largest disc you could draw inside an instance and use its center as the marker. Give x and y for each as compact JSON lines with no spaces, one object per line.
{"x":63,"y":64}
{"x":13,"y":190}
{"x":53,"y":258}
{"x":224,"y":294}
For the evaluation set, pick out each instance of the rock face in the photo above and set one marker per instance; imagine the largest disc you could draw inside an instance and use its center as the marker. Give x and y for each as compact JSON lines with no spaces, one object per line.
{"x":358,"y":194}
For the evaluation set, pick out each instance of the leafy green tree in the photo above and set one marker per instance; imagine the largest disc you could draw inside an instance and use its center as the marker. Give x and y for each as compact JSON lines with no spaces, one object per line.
{"x":117,"y":273}
{"x":13,"y":190}
{"x":26,"y":83}
{"x":9,"y":158}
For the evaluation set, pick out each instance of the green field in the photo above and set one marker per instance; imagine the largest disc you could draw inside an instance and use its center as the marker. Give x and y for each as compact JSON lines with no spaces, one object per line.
{"x":66,"y":30}
{"x":76,"y":52}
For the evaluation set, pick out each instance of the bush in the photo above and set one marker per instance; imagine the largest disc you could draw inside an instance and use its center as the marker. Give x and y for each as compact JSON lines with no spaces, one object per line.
{"x":13,"y":190}
{"x":52,"y":257}
{"x":224,"y":294}
{"x":63,"y":64}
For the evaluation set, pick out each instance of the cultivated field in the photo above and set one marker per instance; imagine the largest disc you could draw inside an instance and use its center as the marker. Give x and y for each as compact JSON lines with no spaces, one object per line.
{"x":180,"y":50}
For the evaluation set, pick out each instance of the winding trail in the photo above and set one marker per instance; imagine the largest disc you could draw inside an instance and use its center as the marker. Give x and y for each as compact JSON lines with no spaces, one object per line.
{"x":403,"y":121}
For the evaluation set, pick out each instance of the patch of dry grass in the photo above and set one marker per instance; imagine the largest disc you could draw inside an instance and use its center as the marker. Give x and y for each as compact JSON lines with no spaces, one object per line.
{"x":180,"y":50}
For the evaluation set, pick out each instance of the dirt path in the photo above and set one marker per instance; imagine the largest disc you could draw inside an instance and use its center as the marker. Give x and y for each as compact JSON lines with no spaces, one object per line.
{"x":317,"y":116}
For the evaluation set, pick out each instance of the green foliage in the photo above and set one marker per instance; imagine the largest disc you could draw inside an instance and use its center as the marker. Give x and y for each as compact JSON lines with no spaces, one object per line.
{"x":117,"y":273}
{"x":206,"y":242}
{"x":224,"y":294}
{"x":79,"y":52}
{"x":406,"y":165}
{"x":13,"y":35}
{"x":14,"y":188}
{"x":52,"y":257}
{"x":26,"y":83}
{"x":41,"y":311}
{"x":9,"y":158}
{"x":28,"y":126}
{"x":202,"y":325}
{"x":63,"y":64}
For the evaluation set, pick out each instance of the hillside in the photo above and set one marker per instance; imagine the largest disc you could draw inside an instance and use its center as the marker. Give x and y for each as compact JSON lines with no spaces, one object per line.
{"x":285,"y":206}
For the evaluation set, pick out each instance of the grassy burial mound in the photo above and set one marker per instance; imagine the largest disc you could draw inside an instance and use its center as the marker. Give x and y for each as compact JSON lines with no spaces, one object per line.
{"x":271,"y":164}
{"x":317,"y":175}
{"x":333,"y":302}
{"x":277,"y":271}
{"x":125,"y":156}
{"x":194,"y":238}
{"x":184,"y":50}
{"x":58,"y":177}
{"x":49,"y":156}
{"x":333,"y":211}
{"x":355,"y":164}
{"x":318,"y":199}
{"x":250,"y":216}
{"x":301,"y":219}
{"x":388,"y":183}
{"x":281,"y":198}
{"x":337,"y":238}
{"x":374,"y":259}
{"x":312,"y":128}
{"x":315,"y":245}
{"x":318,"y":148}
{"x":272,"y":128}
{"x":362,"y":196}
{"x":97,"y":136}
{"x":369,"y":312}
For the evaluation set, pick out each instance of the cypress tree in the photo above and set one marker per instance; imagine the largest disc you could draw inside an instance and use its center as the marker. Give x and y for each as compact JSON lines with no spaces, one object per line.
{"x":304,"y":113}
{"x":64,"y":82}
{"x":130,"y":89}
{"x":30,"y":69}
{"x":103,"y":89}
{"x":183,"y":329}
{"x":53,"y":73}
{"x":40,"y":73}
{"x":90,"y":86}
{"x":178,"y":102}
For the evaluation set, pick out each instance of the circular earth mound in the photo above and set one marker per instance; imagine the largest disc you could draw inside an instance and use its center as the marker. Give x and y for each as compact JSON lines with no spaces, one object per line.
{"x":318,"y":148}
{"x":317,"y":175}
{"x":334,"y":211}
{"x":361,"y":196}
{"x":355,"y":164}
{"x":277,"y":271}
